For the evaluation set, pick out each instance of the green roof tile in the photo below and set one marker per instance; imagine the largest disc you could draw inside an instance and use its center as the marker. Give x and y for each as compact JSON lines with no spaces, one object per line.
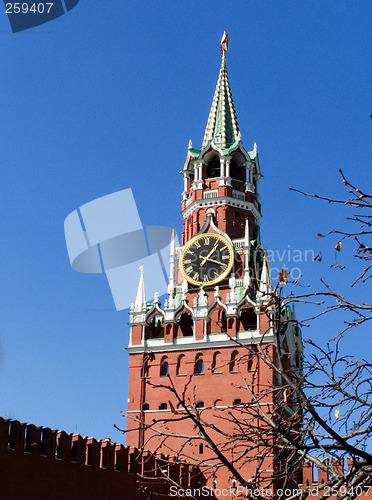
{"x":222,"y":127}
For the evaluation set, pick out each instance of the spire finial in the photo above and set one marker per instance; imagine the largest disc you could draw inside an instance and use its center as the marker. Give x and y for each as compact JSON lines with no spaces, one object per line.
{"x":140,"y":303}
{"x":224,"y":44}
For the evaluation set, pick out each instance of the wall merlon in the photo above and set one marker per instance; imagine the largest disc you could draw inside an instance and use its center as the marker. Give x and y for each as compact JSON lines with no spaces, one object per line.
{"x":64,"y":446}
{"x":16,"y":438}
{"x":108,"y":455}
{"x":33,"y":439}
{"x":93,"y":452}
{"x":4,"y":434}
{"x":78,"y":449}
{"x":121,"y":458}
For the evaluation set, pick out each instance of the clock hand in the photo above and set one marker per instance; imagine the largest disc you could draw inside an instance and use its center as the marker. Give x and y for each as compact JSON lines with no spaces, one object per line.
{"x":210,"y":253}
{"x":222,"y":264}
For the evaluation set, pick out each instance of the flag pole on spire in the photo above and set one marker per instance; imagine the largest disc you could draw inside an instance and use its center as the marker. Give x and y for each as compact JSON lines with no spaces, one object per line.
{"x":224,"y":45}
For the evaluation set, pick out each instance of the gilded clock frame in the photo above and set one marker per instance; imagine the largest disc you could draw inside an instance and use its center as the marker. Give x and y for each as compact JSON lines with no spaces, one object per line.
{"x":223,"y":275}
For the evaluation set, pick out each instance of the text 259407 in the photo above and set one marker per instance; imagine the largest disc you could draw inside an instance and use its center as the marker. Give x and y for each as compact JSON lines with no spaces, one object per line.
{"x":25,"y":8}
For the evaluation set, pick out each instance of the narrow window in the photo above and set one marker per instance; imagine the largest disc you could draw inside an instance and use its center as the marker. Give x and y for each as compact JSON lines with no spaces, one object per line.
{"x":216,"y":363}
{"x":199,"y":365}
{"x":251,"y":359}
{"x":201,"y":449}
{"x":164,"y":367}
{"x":233,"y":367}
{"x":181,"y":365}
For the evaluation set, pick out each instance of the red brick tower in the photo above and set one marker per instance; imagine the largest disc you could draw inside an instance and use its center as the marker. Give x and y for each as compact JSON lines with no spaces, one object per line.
{"x":204,"y":340}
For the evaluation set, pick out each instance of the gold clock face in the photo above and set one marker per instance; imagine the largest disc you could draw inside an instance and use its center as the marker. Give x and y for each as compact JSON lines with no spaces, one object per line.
{"x":207,"y":259}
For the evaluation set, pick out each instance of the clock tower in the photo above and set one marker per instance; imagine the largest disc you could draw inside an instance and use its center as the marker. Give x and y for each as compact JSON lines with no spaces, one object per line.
{"x":199,"y":351}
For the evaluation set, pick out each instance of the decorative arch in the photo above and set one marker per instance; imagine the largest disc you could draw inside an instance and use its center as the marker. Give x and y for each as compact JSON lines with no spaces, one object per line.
{"x":218,"y":320}
{"x":247,"y":319}
{"x":155,"y":325}
{"x":186,"y":325}
{"x":184,"y":322}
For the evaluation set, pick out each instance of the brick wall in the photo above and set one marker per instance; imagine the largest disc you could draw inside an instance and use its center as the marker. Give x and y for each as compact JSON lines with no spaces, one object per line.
{"x":38,"y":463}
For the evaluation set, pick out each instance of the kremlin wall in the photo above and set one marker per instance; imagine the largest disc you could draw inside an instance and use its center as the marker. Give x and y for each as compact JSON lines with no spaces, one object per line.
{"x":40,"y":463}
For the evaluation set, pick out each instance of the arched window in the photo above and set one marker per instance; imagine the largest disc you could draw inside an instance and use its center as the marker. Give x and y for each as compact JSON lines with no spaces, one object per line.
{"x":216,"y":363}
{"x":155,"y":328}
{"x":248,"y":319}
{"x":252,"y":359}
{"x":164,"y":367}
{"x":163,"y":406}
{"x":200,"y":404}
{"x":213,"y":167}
{"x":181,"y":369}
{"x":218,"y":323}
{"x":233,"y":367}
{"x":199,"y":365}
{"x":237,"y":402}
{"x":186,"y":325}
{"x":145,"y":407}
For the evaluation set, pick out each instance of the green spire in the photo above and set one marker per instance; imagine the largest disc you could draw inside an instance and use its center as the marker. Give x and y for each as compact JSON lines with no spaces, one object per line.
{"x":222,"y":126}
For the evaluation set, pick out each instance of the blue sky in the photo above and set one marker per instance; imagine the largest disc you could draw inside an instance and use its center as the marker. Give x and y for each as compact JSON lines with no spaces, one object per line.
{"x":106,"y":98}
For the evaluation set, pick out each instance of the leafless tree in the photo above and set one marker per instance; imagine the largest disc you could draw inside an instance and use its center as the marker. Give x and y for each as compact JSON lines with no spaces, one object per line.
{"x":321,"y":411}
